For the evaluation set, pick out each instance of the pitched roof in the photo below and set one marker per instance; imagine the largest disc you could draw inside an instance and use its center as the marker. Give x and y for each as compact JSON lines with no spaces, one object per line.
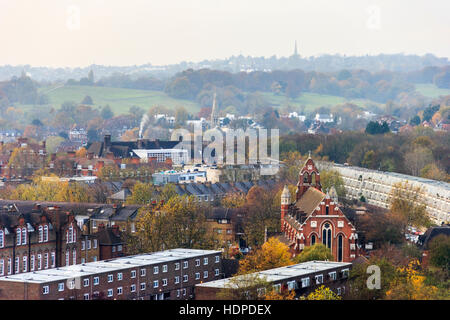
{"x":121,"y":195}
{"x":310,"y":200}
{"x":108,"y":237}
{"x":433,"y":232}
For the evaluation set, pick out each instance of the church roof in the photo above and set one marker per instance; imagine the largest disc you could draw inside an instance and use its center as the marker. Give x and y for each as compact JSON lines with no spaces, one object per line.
{"x":310,"y":200}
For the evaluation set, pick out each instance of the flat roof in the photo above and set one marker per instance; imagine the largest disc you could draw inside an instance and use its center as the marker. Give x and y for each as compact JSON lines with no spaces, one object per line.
{"x":111,"y":265}
{"x":283,"y":273}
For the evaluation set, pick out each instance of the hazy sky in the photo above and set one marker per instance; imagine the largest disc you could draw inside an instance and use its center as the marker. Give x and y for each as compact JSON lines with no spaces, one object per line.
{"x":127,"y":32}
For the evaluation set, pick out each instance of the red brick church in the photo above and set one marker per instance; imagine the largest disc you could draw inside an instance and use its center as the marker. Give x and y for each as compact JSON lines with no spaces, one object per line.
{"x":314,"y":217}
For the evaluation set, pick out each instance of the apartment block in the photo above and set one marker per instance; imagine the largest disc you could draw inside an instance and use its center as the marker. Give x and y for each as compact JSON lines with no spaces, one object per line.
{"x":303,"y":278}
{"x":164,"y":275}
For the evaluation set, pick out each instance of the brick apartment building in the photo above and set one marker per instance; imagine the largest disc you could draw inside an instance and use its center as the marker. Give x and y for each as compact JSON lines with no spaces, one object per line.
{"x":40,"y":239}
{"x":38,"y":236}
{"x":164,"y":275}
{"x":303,"y":278}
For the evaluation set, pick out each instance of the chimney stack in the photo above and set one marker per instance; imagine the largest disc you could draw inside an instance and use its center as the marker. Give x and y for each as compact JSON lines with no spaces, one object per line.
{"x":107,"y":141}
{"x":115,"y":230}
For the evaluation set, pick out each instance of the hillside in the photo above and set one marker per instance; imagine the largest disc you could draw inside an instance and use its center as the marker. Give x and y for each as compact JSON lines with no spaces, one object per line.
{"x":119,"y":99}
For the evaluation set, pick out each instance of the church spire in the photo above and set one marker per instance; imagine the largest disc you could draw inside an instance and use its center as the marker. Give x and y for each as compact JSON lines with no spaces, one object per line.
{"x":295,"y":49}
{"x":214,"y":118}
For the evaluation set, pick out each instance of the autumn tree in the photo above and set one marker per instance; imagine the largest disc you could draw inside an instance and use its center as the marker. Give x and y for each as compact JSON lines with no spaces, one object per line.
{"x":272,"y":254}
{"x":24,"y":161}
{"x":262,"y":213}
{"x":141,"y":193}
{"x":332,"y":178}
{"x":439,"y":249}
{"x":179,"y":223}
{"x":317,"y":251}
{"x":168,"y":192}
{"x":411,"y":285}
{"x":233,"y":200}
{"x":381,"y":228}
{"x":417,"y":159}
{"x":323,"y":293}
{"x":407,"y":204}
{"x":358,"y":289}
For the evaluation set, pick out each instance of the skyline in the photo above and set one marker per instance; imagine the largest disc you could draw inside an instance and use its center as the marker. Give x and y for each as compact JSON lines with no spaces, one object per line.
{"x":82,"y":33}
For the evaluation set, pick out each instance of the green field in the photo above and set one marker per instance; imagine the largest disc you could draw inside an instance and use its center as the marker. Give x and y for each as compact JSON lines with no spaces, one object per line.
{"x":431,"y":91}
{"x":119,"y":99}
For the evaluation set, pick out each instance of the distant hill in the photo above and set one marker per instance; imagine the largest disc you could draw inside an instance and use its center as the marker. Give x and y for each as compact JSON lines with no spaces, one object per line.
{"x":323,"y":63}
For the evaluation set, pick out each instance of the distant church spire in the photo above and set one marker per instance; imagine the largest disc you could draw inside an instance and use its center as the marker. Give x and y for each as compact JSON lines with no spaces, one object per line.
{"x":295,"y":49}
{"x":214,"y":118}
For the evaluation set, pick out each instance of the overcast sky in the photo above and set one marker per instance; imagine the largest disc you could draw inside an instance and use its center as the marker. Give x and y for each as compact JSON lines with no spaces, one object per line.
{"x":127,"y":32}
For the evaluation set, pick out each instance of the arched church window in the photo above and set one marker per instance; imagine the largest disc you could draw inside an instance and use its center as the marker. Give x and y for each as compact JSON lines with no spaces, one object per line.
{"x":313,"y":239}
{"x":305,"y":178}
{"x":340,"y":247}
{"x":313,"y":178}
{"x":326,"y":235}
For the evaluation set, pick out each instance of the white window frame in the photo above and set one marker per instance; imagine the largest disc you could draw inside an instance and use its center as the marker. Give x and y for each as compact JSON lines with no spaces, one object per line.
{"x":119,"y":276}
{"x":205,"y":274}
{"x":110,"y":278}
{"x":333,"y":275}
{"x":110,"y":292}
{"x":205,"y":261}
{"x":317,"y":277}
{"x":96,"y":281}
{"x":25,"y":263}
{"x":155,"y":270}
{"x":86,"y":282}
{"x":306,"y":282}
{"x":133,"y":274}
{"x":61,"y":286}
{"x":32,"y":263}
{"x":45,"y":289}
{"x":164,"y":268}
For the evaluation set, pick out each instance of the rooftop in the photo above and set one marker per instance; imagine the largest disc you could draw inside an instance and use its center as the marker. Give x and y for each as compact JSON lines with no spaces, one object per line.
{"x":428,"y":182}
{"x":111,"y":265}
{"x":284,"y":273}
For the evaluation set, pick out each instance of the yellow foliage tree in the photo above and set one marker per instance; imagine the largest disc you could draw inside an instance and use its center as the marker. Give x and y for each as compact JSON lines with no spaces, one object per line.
{"x":81,"y":153}
{"x":410,"y":285}
{"x":233,"y":200}
{"x":323,"y":293}
{"x":273,"y":254}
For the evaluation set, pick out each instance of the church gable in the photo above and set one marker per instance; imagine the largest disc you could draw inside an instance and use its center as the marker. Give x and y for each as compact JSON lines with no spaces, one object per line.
{"x":315,"y":217}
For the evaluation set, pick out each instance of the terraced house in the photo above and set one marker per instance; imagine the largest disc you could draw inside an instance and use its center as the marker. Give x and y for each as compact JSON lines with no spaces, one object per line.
{"x":41,"y":239}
